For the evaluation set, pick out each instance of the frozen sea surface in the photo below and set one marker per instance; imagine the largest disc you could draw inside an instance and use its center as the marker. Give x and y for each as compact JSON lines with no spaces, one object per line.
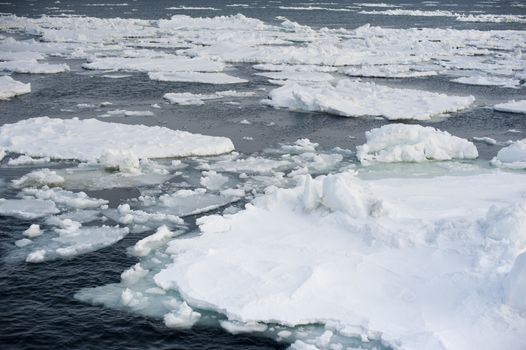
{"x":78,"y":292}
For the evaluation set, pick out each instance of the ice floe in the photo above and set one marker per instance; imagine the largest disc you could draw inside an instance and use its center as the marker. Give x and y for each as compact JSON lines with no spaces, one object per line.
{"x":412,"y":143}
{"x":187,"y":98}
{"x":28,"y":209}
{"x":33,"y":67}
{"x":197,"y":77}
{"x":90,"y":139}
{"x":419,"y":271}
{"x":10,"y":87}
{"x":354,"y":98}
{"x":389,"y":71}
{"x":511,"y":107}
{"x":512,"y":156}
{"x":72,"y":240}
{"x":488,"y":81}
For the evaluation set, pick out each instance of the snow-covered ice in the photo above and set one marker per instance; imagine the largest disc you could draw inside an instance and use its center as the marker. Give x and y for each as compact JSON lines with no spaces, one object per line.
{"x":28,"y":209}
{"x":351,"y":98}
{"x":10,"y":87}
{"x":512,"y":156}
{"x":197,"y":77}
{"x":412,"y":143}
{"x":511,"y":107}
{"x":90,"y":139}
{"x":422,"y":272}
{"x":187,"y":98}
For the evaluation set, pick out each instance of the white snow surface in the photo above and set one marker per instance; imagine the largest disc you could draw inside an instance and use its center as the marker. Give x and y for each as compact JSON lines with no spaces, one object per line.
{"x":188,"y":98}
{"x":511,"y":107}
{"x":10,"y":87}
{"x":512,"y":156}
{"x":352,"y":98}
{"x":197,"y":77}
{"x":90,"y":139}
{"x":412,"y":143}
{"x":428,"y":263}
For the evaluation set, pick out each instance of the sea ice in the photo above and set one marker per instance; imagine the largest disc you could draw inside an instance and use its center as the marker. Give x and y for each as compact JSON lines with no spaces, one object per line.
{"x":511,"y":107}
{"x":488,"y":81}
{"x":187,"y":98}
{"x":10,"y":87}
{"x":197,"y":77}
{"x":513,"y":156}
{"x":351,"y":98}
{"x":28,"y":209}
{"x":73,"y":240}
{"x":419,"y":271}
{"x":412,"y":143}
{"x":90,"y":139}
{"x":32,"y":67}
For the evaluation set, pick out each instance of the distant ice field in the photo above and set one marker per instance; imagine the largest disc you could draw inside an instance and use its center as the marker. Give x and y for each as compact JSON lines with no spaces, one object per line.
{"x":263,"y":174}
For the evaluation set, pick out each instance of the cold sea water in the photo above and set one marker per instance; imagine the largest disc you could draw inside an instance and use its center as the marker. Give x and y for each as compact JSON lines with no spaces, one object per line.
{"x":37,"y":305}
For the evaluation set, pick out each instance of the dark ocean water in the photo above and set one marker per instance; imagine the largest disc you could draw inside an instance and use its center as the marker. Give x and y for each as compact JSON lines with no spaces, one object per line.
{"x":37,"y":308}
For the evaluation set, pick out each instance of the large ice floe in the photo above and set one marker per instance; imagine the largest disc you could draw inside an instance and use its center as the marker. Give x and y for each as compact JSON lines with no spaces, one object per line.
{"x":10,"y":87}
{"x":91,"y":140}
{"x":351,"y":98}
{"x":339,"y":258}
{"x":412,"y":143}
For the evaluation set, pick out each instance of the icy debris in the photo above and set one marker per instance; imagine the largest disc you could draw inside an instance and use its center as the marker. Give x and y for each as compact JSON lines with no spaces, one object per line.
{"x":212,"y":180}
{"x":37,"y":178}
{"x":389,"y":71}
{"x":143,"y":221}
{"x":273,"y":261}
{"x":354,"y":98}
{"x":75,"y":200}
{"x":488,"y":81}
{"x":191,"y":202}
{"x":486,"y":140}
{"x":2,"y":154}
{"x":294,"y":68}
{"x":290,"y":76}
{"x":33,"y":231}
{"x":192,"y":8}
{"x":73,"y":240}
{"x":511,"y":107}
{"x":121,"y":160}
{"x":32,"y":67}
{"x":252,"y":165}
{"x":23,"y":242}
{"x":197,"y":77}
{"x":27,"y":208}
{"x":412,"y":143}
{"x":125,"y":113}
{"x":11,"y":88}
{"x":492,"y":18}
{"x":182,"y":317}
{"x":90,"y":139}
{"x":147,"y":244}
{"x":187,"y":98}
{"x":27,"y":160}
{"x":300,"y":146}
{"x":512,"y":157}
{"x":236,"y":327}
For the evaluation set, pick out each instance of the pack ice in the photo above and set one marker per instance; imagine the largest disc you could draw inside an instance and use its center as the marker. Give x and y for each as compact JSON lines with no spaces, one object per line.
{"x":93,"y":140}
